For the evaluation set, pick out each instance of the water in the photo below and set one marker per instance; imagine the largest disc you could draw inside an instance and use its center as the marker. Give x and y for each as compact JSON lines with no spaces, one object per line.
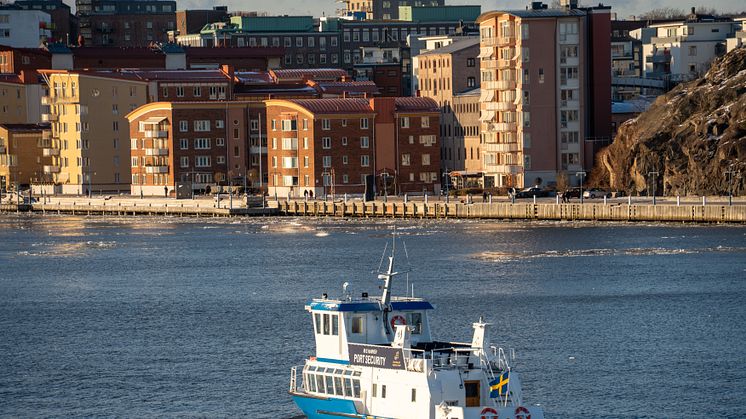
{"x":186,"y":317}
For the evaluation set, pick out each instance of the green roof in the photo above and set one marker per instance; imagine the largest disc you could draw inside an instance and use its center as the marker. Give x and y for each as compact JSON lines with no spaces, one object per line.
{"x":439,"y":13}
{"x":274,"y":23}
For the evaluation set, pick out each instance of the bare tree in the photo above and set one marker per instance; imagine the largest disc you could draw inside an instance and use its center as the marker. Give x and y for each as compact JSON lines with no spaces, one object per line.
{"x":664,"y":13}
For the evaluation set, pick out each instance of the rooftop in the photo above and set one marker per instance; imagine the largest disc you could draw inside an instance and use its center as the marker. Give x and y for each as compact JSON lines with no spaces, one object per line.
{"x":416,"y":104}
{"x":455,"y":46}
{"x":25,"y":127}
{"x":339,"y":87}
{"x":318,"y":74}
{"x":332,"y":106}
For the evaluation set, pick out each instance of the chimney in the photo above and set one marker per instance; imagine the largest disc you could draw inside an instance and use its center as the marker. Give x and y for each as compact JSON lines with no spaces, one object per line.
{"x":536,"y":5}
{"x":694,"y":10}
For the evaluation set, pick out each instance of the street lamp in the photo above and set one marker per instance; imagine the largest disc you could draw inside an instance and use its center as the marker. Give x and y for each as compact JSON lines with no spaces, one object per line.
{"x":655,"y":182}
{"x":445,"y":181}
{"x":581,"y":175}
{"x":730,"y":174}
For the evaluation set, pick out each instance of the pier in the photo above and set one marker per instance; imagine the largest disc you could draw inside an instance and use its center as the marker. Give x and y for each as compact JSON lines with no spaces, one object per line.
{"x":613,"y":210}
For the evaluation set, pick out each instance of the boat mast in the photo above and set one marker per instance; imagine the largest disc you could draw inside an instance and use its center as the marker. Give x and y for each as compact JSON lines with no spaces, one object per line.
{"x":386,"y":297}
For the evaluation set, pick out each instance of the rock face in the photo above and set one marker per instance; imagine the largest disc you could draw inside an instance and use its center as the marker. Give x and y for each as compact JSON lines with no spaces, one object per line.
{"x":694,"y":137}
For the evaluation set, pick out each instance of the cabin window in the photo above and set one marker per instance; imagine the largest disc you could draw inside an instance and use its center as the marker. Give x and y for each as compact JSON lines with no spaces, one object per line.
{"x":317,"y":316}
{"x":338,"y":386}
{"x":357,"y":325}
{"x":375,"y":390}
{"x":329,"y":384}
{"x":415,"y":321}
{"x":348,"y":387}
{"x":326,"y":324}
{"x":414,"y":395}
{"x":335,"y":324}
{"x":356,"y":388}
{"x":312,"y":382}
{"x":383,"y":391}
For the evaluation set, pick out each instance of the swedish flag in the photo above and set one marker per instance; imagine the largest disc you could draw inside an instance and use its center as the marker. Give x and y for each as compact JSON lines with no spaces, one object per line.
{"x":499,"y":386}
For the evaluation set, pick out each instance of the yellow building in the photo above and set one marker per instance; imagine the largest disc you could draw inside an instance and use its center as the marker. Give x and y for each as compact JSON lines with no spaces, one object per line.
{"x":90,"y":134}
{"x":23,"y":155}
{"x":20,"y":98}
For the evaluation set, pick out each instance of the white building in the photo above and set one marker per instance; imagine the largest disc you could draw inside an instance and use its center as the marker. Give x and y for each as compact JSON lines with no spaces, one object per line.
{"x":24,"y":28}
{"x":683,"y":50}
{"x":739,"y":37}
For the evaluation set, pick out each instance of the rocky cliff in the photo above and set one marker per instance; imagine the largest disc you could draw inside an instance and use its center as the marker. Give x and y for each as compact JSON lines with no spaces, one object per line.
{"x":694,"y":137}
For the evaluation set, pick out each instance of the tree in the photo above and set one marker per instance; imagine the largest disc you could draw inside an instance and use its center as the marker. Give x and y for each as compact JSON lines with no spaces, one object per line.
{"x":664,"y":13}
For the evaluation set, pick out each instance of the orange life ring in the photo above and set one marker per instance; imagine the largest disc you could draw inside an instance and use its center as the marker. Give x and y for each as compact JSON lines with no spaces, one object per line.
{"x":396,"y":320}
{"x":520,"y":410}
{"x":488,"y":410}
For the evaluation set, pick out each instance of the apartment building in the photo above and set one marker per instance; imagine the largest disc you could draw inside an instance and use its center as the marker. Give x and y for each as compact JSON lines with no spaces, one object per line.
{"x":684,"y":50}
{"x":545,"y":106}
{"x":87,"y":110}
{"x":20,"y":98}
{"x":24,"y":155}
{"x":15,"y":60}
{"x":442,"y":73}
{"x":21,"y":28}
{"x":626,"y":58}
{"x":64,"y":26}
{"x":467,"y":127}
{"x":738,"y":38}
{"x":180,"y":147}
{"x":124,"y":23}
{"x":193,"y":20}
{"x":331,"y":146}
{"x":384,"y":9}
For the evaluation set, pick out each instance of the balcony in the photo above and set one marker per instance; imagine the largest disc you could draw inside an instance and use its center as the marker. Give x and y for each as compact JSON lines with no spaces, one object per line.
{"x":49,"y":117}
{"x":488,"y":42}
{"x":156,"y":152}
{"x":505,"y":40}
{"x":501,"y":147}
{"x":49,"y":152}
{"x":510,"y":169}
{"x":156,"y":169}
{"x":658,"y":58}
{"x":46,"y":134}
{"x":46,"y":100}
{"x":505,"y":127}
{"x":156,"y":134}
{"x":501,"y":106}
{"x":51,"y":169}
{"x":499,"y":85}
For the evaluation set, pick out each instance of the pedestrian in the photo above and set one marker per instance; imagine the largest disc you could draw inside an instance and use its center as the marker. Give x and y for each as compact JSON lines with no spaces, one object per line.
{"x":305,"y":194}
{"x":165,"y":191}
{"x":141,"y":195}
{"x":310,"y":194}
{"x":484,"y":196}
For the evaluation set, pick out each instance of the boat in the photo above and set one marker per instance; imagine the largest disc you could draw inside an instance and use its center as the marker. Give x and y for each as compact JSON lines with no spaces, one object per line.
{"x":375,"y":358}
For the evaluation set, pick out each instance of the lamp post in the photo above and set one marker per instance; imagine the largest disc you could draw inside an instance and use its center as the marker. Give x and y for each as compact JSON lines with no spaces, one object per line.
{"x":581,"y":175}
{"x":655,"y":182}
{"x":445,"y":181}
{"x":730,"y":174}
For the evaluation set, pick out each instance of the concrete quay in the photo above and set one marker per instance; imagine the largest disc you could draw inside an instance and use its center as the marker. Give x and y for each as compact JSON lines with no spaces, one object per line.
{"x":624,"y":209}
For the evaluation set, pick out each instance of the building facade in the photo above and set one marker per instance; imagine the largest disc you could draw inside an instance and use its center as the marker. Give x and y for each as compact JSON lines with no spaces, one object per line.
{"x":24,"y":155}
{"x":181,"y":147}
{"x":467,"y":127}
{"x":442,"y":73}
{"x":21,"y":98}
{"x":21,"y":28}
{"x":331,"y":146}
{"x":125,"y":23}
{"x":64,"y":27}
{"x":546,"y":101}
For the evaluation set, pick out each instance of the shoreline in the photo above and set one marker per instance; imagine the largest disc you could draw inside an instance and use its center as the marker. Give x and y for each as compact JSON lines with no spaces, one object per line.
{"x":616,"y":210}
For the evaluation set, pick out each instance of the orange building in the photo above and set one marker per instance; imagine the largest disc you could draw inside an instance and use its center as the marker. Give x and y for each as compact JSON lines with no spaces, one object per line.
{"x":24,"y":154}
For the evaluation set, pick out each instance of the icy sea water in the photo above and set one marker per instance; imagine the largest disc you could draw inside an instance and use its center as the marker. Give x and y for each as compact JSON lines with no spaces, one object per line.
{"x":143,"y":317}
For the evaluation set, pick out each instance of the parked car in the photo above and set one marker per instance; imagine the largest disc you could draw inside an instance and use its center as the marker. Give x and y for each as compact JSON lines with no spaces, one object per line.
{"x":572,"y":193}
{"x":596,"y":193}
{"x":531,"y":192}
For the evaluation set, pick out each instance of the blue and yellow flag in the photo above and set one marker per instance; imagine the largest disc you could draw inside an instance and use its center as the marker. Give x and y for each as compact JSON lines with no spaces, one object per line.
{"x":499,"y":386}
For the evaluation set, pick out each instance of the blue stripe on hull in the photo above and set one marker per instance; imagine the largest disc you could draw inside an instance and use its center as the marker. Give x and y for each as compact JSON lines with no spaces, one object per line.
{"x":311,"y":406}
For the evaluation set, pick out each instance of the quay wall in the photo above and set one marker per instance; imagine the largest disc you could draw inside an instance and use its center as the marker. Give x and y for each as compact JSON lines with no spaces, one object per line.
{"x":710,"y":213}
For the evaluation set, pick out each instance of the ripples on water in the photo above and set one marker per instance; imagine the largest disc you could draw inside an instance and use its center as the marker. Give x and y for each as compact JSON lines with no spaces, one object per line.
{"x":187,"y":317}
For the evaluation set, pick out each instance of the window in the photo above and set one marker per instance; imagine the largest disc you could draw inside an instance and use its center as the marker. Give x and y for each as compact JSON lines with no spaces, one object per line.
{"x":344,"y":159}
{"x":406,"y":159}
{"x":364,"y":142}
{"x":183,"y":144}
{"x":364,"y":123}
{"x":305,"y":125}
{"x":357,"y":325}
{"x":471,"y":82}
{"x":305,"y":161}
{"x":326,"y":125}
{"x":289,"y":143}
{"x":365,"y":160}
{"x":202,"y":125}
{"x":219,"y":123}
{"x":184,"y":161}
{"x":326,"y":142}
{"x":425,"y":159}
{"x":197,"y":91}
{"x":425,"y":122}
{"x":220,"y":142}
{"x":326,"y":161}
{"x":404,"y":121}
{"x":541,"y":75}
{"x":202,"y":161}
{"x":201,"y":143}
{"x":289,"y":124}
{"x":470,"y":62}
{"x":414,"y":395}
{"x":383,"y":391}
{"x":693,"y":51}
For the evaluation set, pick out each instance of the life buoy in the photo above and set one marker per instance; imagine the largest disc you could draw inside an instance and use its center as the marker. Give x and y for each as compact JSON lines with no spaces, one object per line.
{"x":489,"y":413}
{"x":519,"y":413}
{"x":397,"y":320}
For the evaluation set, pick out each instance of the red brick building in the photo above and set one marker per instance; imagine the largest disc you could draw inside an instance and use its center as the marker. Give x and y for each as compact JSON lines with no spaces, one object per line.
{"x":192,"y":144}
{"x":14,"y":60}
{"x":330,"y":146}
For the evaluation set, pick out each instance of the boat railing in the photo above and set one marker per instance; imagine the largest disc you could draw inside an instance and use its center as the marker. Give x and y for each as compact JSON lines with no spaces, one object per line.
{"x":296,"y":384}
{"x":418,"y":360}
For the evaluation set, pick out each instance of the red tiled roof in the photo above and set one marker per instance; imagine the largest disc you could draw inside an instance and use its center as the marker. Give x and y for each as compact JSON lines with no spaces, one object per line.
{"x":317,"y":74}
{"x":253,"y":77}
{"x":176,"y":75}
{"x":332,"y":106}
{"x":115,"y":52}
{"x":416,"y":104}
